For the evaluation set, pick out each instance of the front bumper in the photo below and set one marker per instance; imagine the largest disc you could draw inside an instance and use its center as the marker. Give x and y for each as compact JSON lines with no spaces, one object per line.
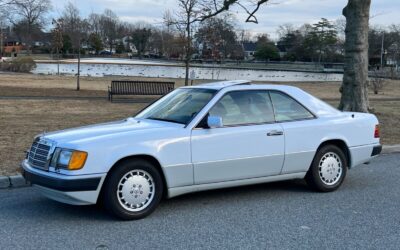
{"x":75,"y":190}
{"x":87,"y":184}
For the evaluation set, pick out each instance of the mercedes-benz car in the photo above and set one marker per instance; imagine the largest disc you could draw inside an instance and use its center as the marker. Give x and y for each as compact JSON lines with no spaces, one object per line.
{"x":195,"y":138}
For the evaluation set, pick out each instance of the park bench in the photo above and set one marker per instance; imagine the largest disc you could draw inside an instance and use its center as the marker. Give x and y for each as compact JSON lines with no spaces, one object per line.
{"x":139,"y":88}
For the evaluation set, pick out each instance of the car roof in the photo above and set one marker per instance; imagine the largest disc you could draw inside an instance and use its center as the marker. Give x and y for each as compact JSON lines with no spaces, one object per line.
{"x":241,"y":85}
{"x":314,"y":104}
{"x":221,"y":84}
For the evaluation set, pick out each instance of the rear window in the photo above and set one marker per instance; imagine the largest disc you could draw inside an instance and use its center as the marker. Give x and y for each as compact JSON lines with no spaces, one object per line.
{"x":288,"y":109}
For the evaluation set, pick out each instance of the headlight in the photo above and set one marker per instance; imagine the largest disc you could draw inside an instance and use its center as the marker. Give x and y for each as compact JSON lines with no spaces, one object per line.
{"x":64,"y":157}
{"x":69,"y":159}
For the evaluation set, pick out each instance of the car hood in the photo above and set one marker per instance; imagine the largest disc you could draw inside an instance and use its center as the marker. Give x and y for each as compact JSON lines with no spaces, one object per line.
{"x":106,"y":129}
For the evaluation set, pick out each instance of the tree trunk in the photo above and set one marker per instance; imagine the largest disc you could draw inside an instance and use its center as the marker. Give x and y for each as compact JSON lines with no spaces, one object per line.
{"x":58,"y":61}
{"x":78,"y":85}
{"x":355,"y":78}
{"x":187,"y":66}
{"x":188,"y":50}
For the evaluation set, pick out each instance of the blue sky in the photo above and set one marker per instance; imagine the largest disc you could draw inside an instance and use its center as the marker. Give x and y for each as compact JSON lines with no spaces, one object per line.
{"x":297,"y":12}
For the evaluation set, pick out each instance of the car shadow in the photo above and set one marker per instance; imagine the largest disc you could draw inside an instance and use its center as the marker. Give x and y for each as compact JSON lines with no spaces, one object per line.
{"x":44,"y":208}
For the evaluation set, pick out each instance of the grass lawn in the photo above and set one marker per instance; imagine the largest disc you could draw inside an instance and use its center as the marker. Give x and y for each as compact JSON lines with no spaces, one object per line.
{"x":21,"y":119}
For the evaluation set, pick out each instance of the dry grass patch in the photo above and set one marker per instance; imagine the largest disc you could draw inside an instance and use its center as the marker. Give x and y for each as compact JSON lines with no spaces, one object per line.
{"x":388,"y":114}
{"x":21,"y":120}
{"x":69,"y":82}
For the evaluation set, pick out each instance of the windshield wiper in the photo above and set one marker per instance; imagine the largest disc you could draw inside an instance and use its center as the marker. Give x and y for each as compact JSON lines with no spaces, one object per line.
{"x":164,"y":120}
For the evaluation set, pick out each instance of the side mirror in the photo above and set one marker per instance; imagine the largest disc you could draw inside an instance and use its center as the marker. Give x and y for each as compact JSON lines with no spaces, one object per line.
{"x":214,"y":122}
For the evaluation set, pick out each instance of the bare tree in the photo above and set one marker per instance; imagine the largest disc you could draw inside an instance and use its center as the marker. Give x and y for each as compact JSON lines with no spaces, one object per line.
{"x":76,"y":28}
{"x":340,"y":25}
{"x":57,"y":40}
{"x":218,"y":37}
{"x":355,"y":79}
{"x":3,"y":24}
{"x":189,"y":12}
{"x":1,"y":38}
{"x":140,"y":38}
{"x":394,"y":48}
{"x":95,"y":23}
{"x":285,"y":29}
{"x":72,"y":25}
{"x":109,"y":26}
{"x":244,"y":35}
{"x":31,"y":13}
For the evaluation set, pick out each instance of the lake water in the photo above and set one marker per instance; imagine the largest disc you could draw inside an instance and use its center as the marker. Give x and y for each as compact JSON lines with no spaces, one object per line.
{"x":100,"y":69}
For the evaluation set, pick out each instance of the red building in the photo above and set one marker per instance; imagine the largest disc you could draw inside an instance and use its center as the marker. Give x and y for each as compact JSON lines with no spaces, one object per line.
{"x":12,"y":47}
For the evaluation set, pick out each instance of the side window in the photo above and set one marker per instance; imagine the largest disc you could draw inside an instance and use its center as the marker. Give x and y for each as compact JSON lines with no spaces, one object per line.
{"x":288,"y":109}
{"x":244,"y":107}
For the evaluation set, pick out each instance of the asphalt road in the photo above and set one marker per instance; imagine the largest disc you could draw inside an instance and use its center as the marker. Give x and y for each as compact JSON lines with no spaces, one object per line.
{"x":363,"y":214}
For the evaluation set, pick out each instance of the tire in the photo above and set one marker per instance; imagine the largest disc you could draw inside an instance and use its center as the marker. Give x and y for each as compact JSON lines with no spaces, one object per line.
{"x":133,"y":190}
{"x":328,"y":169}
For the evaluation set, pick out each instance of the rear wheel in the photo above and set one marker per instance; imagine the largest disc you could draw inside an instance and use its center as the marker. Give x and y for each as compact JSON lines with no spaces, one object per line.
{"x":328,"y":169}
{"x":133,"y":190}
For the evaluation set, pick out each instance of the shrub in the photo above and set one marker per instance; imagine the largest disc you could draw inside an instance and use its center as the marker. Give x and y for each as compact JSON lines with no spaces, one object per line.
{"x":21,"y":64}
{"x":377,"y":83}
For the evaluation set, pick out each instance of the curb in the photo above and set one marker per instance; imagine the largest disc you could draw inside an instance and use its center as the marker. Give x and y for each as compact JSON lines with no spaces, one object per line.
{"x":391,"y":149}
{"x":14,"y":181}
{"x":17,"y":181}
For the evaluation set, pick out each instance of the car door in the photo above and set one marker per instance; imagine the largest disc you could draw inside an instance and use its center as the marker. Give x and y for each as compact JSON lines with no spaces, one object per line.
{"x":249,"y":145}
{"x":302,"y":132}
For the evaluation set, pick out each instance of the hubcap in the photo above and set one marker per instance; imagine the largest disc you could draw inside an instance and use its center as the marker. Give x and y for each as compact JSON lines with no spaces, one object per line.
{"x":135,"y":190}
{"x":330,"y":168}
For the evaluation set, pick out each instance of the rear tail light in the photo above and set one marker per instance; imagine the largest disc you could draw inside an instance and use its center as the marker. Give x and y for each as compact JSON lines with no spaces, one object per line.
{"x":377,"y":133}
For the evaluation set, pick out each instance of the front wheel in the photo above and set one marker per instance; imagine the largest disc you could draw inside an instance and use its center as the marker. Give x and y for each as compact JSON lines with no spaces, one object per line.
{"x":328,"y":169}
{"x":133,"y":190}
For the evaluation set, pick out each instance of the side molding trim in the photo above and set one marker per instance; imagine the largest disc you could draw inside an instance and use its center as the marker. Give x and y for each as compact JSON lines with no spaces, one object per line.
{"x":176,"y":191}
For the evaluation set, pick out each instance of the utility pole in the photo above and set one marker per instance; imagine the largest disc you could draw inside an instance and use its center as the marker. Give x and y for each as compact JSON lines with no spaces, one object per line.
{"x":382,"y":49}
{"x":1,"y":39}
{"x":79,"y":66}
{"x":58,"y":61}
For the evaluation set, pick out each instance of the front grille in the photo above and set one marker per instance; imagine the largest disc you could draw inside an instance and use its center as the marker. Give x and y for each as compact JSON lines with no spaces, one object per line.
{"x":39,"y":154}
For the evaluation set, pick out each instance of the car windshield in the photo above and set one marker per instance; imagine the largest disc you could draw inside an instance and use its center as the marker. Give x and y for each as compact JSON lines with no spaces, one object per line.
{"x":179,"y":106}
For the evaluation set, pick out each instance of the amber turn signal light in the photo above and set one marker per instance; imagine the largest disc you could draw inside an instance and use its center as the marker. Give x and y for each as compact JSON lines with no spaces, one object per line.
{"x":77,"y":161}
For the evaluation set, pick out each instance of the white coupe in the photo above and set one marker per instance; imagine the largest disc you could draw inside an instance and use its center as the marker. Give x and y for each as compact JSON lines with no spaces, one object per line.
{"x":196,"y":138}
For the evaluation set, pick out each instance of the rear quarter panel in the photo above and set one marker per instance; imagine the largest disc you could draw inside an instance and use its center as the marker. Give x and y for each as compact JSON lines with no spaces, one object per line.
{"x":302,"y":138}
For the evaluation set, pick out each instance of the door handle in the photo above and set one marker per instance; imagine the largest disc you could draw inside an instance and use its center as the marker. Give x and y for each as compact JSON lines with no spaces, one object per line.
{"x":275,"y":133}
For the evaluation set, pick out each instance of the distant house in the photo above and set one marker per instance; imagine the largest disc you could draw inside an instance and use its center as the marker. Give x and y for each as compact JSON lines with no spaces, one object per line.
{"x":43,"y":39}
{"x":127,"y":42}
{"x":38,"y":43}
{"x":249,"y":49}
{"x":282,"y":50}
{"x":11,"y":44}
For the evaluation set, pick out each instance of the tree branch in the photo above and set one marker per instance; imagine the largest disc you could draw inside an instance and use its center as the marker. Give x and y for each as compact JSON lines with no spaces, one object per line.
{"x":252,"y":18}
{"x":217,"y":10}
{"x":226,"y":4}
